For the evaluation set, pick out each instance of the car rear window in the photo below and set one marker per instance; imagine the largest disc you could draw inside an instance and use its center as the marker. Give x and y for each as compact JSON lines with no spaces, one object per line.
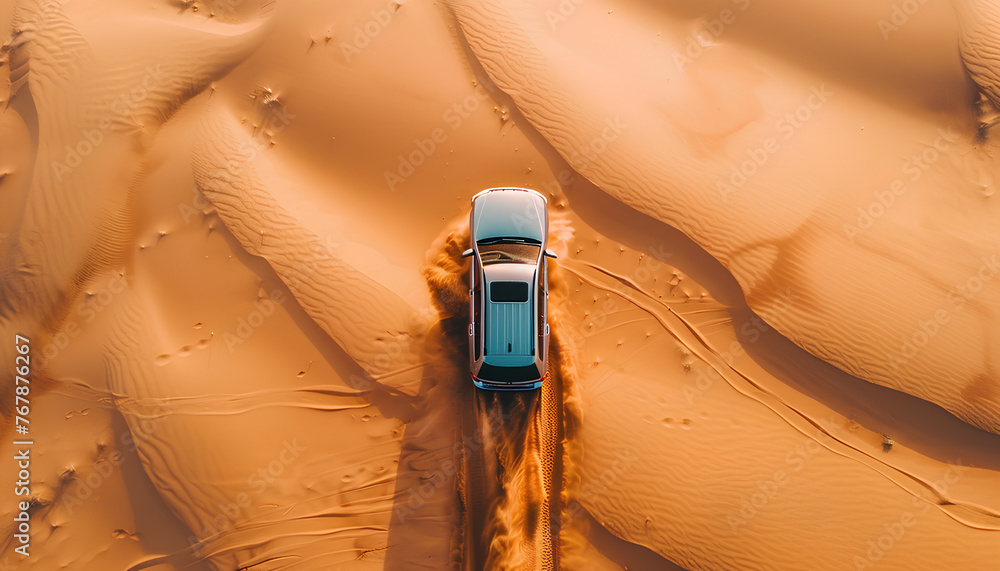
{"x":509,"y":291}
{"x":508,"y":374}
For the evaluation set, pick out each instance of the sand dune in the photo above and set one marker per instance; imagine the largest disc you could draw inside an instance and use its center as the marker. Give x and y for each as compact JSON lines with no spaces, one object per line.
{"x":799,"y":225}
{"x":233,"y":232}
{"x":358,"y":313}
{"x":96,"y":109}
{"x":979,"y":44}
{"x":728,"y":472}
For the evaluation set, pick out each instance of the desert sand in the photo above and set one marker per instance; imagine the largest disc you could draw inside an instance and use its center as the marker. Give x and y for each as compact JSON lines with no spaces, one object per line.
{"x":232,"y":232}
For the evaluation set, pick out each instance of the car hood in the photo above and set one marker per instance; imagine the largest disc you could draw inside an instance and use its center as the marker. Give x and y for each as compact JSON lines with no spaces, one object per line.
{"x":509,"y":213}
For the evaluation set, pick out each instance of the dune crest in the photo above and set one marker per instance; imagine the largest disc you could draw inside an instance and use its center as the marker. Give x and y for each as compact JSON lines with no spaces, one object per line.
{"x":358,"y":313}
{"x":979,"y":41}
{"x":98,"y":110}
{"x":804,"y":226}
{"x":233,"y":232}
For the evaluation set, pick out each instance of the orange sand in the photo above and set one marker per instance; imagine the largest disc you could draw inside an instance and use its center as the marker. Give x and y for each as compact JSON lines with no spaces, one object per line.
{"x":232,"y":232}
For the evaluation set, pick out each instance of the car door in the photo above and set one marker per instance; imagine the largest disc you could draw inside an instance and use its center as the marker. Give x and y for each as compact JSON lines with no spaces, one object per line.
{"x":476,"y":310}
{"x":542,"y":295}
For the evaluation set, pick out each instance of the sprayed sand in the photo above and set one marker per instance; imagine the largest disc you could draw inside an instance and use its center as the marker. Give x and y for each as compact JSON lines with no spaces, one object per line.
{"x":233,"y":231}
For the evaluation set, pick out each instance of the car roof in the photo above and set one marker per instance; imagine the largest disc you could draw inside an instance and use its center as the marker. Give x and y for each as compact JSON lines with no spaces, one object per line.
{"x":510,"y":326}
{"x":509,"y":213}
{"x":510,"y":271}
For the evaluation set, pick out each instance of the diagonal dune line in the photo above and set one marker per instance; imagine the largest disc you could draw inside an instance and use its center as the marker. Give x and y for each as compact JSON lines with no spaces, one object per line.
{"x":973,"y":513}
{"x":196,"y":476}
{"x":98,"y":109}
{"x":356,"y":311}
{"x":777,"y":231}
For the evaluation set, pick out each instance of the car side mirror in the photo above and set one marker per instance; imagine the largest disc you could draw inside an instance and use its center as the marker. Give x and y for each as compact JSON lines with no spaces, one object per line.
{"x":550,"y":253}
{"x":468,"y":253}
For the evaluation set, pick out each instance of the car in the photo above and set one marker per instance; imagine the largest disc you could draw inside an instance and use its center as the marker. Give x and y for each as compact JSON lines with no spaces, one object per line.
{"x":508,"y":295}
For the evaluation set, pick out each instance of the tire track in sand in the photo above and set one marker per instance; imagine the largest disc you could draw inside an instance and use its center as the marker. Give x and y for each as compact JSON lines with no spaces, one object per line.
{"x":515,"y":462}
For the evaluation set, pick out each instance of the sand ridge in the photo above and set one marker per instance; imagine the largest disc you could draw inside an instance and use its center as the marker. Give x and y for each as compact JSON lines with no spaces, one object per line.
{"x":235,"y":233}
{"x":800,"y":240}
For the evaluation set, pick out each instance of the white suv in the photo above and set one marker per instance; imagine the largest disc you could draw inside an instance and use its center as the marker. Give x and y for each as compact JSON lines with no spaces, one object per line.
{"x":508,"y":331}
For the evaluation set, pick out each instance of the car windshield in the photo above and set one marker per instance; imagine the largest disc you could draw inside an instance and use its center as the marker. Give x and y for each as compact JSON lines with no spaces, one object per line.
{"x":517,"y":252}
